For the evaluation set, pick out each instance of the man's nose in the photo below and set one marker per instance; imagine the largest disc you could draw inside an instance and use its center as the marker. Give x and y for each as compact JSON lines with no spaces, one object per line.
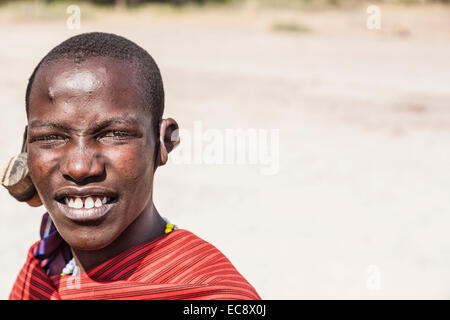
{"x":82,"y":162}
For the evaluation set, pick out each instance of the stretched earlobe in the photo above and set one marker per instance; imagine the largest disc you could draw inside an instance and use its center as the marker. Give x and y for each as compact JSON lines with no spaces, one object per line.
{"x":16,"y":178}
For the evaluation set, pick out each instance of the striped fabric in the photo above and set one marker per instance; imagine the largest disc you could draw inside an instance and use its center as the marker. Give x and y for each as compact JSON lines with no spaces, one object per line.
{"x":178,"y":265}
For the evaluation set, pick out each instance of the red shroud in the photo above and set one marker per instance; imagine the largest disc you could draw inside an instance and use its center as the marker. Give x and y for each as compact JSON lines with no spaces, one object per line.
{"x":178,"y":265}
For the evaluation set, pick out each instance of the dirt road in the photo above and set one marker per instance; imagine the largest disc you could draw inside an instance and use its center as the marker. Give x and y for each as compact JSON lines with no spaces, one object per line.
{"x":359,"y":207}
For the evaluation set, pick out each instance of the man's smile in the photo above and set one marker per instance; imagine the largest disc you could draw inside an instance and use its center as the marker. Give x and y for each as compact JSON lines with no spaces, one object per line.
{"x":85,"y":204}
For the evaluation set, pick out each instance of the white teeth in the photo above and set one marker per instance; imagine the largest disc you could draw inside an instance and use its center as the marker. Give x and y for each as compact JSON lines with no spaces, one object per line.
{"x":89,"y":203}
{"x":78,"y":204}
{"x":98,"y":203}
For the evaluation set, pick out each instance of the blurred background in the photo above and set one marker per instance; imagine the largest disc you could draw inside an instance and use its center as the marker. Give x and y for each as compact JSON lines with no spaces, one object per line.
{"x":360,"y":205}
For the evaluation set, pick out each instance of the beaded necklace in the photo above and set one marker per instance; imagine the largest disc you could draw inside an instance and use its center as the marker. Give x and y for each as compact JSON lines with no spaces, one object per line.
{"x":71,"y":267}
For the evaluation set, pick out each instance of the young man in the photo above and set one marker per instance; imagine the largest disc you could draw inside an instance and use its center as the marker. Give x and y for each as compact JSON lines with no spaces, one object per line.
{"x":94,"y":139}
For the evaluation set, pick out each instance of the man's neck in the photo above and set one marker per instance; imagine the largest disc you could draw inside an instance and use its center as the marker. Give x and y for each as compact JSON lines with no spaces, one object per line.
{"x":148,"y":226}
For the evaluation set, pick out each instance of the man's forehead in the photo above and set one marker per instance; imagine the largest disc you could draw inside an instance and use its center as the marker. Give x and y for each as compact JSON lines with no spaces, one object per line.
{"x":81,"y":81}
{"x":94,"y":89}
{"x":97,"y":83}
{"x":90,"y":70}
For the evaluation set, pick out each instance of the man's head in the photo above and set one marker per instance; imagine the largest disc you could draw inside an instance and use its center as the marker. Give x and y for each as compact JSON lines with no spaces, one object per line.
{"x":95,"y":136}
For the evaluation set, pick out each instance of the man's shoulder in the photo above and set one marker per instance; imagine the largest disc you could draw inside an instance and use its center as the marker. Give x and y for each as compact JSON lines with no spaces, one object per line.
{"x":194,"y":262}
{"x":186,"y":248}
{"x":191,"y":259}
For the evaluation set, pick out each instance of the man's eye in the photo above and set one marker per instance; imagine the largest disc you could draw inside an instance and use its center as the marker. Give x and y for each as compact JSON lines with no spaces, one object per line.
{"x":116,"y":134}
{"x":48,"y":138}
{"x":49,"y":141}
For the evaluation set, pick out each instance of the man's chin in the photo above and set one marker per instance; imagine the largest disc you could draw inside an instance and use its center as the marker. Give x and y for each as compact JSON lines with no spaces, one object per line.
{"x":82,"y":244}
{"x":88,"y":238}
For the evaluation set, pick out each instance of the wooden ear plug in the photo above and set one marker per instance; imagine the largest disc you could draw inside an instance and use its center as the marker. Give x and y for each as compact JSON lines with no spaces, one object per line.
{"x":16,"y":178}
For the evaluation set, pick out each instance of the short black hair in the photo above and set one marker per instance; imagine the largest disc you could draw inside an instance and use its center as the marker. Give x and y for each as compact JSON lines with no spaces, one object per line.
{"x":99,"y":44}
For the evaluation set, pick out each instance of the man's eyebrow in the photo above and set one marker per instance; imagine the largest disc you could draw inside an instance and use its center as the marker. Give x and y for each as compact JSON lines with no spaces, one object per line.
{"x":48,"y":124}
{"x":97,"y":126}
{"x":93,"y":127}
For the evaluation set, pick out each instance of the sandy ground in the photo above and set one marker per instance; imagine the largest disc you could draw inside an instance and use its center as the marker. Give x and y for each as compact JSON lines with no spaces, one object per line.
{"x":359,"y":207}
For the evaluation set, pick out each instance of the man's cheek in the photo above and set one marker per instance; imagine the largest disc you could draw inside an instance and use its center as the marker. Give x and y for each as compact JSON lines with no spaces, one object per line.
{"x":40,"y":167}
{"x":131,"y":163}
{"x":132,"y":171}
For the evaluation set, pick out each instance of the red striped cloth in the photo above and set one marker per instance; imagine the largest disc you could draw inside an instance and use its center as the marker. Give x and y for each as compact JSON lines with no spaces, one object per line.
{"x":178,"y":265}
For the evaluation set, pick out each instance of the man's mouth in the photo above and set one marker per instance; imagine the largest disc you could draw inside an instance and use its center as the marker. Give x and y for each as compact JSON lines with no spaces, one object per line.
{"x":89,"y":202}
{"x":85,"y":204}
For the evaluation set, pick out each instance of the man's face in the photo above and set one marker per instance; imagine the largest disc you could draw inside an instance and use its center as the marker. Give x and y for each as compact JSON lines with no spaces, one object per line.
{"x":90,"y":149}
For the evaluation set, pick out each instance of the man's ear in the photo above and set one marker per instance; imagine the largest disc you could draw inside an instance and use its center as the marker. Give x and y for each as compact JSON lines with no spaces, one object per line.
{"x":169,"y":138}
